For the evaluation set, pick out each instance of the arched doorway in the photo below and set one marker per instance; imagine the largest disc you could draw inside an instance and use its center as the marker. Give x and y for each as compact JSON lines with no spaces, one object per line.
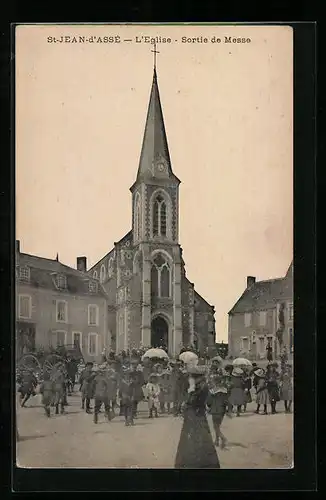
{"x":160,"y":332}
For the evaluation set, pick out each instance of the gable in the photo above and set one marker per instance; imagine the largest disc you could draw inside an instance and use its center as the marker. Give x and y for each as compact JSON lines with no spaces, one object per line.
{"x":44,"y":271}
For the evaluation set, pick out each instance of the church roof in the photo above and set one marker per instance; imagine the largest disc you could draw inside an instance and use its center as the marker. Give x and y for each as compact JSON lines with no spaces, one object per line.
{"x":126,"y":237}
{"x":155,"y":144}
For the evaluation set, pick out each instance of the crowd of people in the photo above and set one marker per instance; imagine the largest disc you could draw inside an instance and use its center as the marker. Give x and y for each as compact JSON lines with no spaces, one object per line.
{"x":191,"y":390}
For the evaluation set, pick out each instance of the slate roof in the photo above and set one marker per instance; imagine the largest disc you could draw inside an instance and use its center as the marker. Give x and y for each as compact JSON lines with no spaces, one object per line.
{"x":43,"y":272}
{"x":264,"y":294}
{"x":197,"y":295}
{"x":125,"y":238}
{"x":201,"y":299}
{"x":155,"y":144}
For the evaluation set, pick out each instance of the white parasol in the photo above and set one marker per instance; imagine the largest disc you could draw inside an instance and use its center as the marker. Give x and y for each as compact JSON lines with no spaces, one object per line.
{"x":242,"y":362}
{"x":155,"y":353}
{"x":189,"y":357}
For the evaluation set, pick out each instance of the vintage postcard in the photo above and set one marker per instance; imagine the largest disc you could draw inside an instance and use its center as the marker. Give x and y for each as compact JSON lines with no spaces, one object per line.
{"x":154,"y":250}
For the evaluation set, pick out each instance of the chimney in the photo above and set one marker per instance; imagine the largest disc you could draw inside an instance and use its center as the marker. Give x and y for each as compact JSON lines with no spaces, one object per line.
{"x":251,"y":280}
{"x":82,"y":264}
{"x":18,"y":246}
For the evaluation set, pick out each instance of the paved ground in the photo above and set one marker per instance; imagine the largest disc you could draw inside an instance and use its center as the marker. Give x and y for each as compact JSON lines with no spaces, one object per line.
{"x":73,"y":440}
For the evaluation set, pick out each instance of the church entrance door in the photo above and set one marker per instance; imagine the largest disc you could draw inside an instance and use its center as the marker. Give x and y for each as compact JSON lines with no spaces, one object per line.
{"x":160,"y":332}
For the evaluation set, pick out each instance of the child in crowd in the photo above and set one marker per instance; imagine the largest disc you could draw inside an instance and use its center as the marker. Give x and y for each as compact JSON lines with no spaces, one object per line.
{"x":153,"y":392}
{"x":217,"y":403}
{"x":262,"y":397}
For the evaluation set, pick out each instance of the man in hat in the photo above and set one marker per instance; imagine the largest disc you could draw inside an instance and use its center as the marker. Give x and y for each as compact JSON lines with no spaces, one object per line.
{"x":112,"y":385}
{"x":86,"y":382}
{"x":101,"y":392}
{"x":269,"y":350}
{"x":126,"y":391}
{"x":272,"y":379}
{"x":28,"y":384}
{"x":47,"y":391}
{"x":58,"y":378}
{"x":228,"y":380}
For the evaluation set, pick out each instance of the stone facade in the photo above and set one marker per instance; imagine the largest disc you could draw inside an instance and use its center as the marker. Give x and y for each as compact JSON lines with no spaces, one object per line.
{"x":53,"y":304}
{"x":255,"y":320}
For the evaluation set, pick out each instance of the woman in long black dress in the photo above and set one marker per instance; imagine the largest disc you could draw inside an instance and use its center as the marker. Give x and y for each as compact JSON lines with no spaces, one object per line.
{"x":196,"y":449}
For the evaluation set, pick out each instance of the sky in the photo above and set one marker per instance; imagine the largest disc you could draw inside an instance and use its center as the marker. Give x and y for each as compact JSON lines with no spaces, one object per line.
{"x":80,"y":116}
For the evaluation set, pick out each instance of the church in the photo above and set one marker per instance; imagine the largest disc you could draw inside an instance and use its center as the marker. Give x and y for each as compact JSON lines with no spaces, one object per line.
{"x":151,"y":302}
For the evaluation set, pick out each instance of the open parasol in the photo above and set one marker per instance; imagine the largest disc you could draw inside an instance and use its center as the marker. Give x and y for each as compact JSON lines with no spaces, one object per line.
{"x":189,"y":357}
{"x":155,"y":353}
{"x":242,"y":362}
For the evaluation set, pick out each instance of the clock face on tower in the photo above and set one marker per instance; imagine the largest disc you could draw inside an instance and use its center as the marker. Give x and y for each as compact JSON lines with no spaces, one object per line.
{"x":161,"y":167}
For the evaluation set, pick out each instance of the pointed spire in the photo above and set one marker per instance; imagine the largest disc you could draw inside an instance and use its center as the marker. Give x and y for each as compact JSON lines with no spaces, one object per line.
{"x":57,"y":257}
{"x":155,"y":151}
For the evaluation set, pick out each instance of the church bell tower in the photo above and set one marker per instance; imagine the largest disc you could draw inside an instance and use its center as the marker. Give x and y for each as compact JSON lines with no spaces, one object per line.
{"x":155,"y":216}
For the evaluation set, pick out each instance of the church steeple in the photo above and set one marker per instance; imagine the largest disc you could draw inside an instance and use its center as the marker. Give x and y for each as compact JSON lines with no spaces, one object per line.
{"x":155,"y":160}
{"x":155,"y":193}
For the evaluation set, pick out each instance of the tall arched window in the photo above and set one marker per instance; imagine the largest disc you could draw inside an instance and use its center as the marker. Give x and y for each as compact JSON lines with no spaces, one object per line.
{"x":110,"y":267}
{"x":159,"y":216}
{"x":137,"y":216}
{"x":102,"y":273}
{"x":161,"y":277}
{"x":95,"y":274}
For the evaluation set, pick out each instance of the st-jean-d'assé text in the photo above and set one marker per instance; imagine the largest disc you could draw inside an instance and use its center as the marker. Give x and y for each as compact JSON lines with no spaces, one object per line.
{"x":146,"y":39}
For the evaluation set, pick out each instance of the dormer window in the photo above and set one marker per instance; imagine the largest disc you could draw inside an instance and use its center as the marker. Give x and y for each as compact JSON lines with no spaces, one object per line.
{"x":93,"y":287}
{"x":61,"y":281}
{"x":24,"y":273}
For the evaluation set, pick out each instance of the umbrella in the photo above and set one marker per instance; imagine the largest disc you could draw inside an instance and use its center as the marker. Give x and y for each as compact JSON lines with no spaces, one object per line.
{"x":241,"y":362}
{"x":155,"y":353}
{"x":188,"y":357}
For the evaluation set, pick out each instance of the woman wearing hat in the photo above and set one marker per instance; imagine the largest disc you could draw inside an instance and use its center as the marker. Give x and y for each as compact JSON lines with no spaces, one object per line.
{"x":196,"y":449}
{"x":262,"y":397}
{"x":237,"y":393}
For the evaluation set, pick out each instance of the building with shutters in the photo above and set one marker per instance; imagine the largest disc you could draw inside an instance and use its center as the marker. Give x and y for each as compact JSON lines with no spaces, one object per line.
{"x":151,"y":302}
{"x":263,"y":313}
{"x":58,"y":305}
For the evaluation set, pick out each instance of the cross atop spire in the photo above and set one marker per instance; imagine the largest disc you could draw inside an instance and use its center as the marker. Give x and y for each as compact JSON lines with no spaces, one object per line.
{"x":155,"y":52}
